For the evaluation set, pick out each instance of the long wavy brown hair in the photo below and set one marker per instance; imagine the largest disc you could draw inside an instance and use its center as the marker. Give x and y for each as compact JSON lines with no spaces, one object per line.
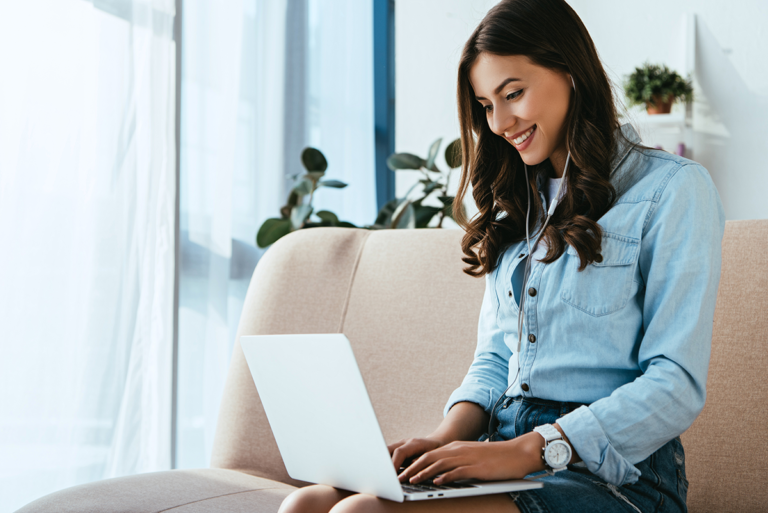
{"x":551,"y":35}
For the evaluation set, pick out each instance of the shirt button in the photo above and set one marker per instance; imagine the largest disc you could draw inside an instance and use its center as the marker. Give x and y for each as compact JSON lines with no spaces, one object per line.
{"x":510,"y":293}
{"x":532,"y":338}
{"x":525,"y":387}
{"x":599,"y":258}
{"x":521,"y":255}
{"x":531,"y":292}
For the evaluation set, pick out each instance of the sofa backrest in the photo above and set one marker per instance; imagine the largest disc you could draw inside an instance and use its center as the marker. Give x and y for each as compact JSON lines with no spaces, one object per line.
{"x":411,"y":315}
{"x":727,"y":446}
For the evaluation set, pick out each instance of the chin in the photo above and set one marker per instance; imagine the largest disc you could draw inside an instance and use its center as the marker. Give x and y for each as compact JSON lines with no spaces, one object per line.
{"x":532,"y":159}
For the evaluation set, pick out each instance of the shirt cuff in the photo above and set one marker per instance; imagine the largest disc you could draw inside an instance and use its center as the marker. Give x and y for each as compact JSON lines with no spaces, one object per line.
{"x":481,"y":396}
{"x":591,"y":443}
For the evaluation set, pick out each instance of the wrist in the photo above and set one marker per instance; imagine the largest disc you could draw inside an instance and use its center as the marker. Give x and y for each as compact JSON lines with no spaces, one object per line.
{"x":531,"y":446}
{"x":574,"y":457}
{"x":439,"y":440}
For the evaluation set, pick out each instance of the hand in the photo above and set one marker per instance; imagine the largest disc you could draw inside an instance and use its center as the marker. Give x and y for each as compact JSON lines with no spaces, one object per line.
{"x":487,"y":461}
{"x":405,"y":449}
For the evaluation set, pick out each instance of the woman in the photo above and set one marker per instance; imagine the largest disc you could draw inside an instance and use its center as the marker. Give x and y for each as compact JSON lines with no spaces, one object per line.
{"x":597,"y":336}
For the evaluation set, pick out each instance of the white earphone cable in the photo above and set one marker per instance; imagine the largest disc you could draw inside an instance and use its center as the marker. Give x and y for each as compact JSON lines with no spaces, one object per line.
{"x":527,"y":270}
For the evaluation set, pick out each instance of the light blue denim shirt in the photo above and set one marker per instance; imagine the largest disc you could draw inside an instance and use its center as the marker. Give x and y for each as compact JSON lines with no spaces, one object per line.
{"x":630,"y":335}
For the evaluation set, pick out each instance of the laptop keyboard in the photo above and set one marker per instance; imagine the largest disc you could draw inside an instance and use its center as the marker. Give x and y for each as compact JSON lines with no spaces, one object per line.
{"x":429,"y":486}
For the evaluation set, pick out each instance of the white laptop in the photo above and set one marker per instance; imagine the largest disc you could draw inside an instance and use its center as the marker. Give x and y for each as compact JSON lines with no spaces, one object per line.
{"x":323,"y":421}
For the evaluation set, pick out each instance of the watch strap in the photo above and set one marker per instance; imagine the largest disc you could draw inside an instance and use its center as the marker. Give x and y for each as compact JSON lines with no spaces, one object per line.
{"x":549,"y":432}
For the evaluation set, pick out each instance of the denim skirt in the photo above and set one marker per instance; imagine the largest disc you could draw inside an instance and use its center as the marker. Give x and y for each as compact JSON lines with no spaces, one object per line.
{"x":662,"y":486}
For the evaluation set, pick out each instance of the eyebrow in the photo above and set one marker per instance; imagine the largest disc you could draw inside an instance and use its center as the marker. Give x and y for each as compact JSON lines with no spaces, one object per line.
{"x":499,"y":88}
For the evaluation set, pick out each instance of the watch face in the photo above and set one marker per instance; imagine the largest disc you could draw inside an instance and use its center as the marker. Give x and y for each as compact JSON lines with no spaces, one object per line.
{"x":558,"y":454}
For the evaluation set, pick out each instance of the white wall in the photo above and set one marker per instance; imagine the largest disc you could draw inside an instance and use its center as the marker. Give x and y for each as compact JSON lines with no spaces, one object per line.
{"x":730,"y":117}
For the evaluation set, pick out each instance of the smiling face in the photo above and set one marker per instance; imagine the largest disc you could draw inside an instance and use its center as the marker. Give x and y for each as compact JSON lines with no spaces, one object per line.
{"x":524,"y":103}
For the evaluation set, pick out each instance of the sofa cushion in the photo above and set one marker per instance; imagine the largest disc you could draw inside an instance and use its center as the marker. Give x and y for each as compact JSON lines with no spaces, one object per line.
{"x":184,"y":491}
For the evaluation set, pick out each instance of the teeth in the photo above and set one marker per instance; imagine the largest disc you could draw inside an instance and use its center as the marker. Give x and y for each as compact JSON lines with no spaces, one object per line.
{"x":522,"y":138}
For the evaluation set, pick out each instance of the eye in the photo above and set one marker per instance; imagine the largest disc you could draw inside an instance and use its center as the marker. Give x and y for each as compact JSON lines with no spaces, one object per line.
{"x":511,"y":96}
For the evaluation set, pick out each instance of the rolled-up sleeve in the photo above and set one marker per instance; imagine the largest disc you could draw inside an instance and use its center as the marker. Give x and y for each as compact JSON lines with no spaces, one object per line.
{"x":488,"y":374}
{"x":679,"y":261}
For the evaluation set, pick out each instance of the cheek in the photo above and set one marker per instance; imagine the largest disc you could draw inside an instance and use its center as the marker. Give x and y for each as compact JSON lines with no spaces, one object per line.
{"x":553,"y":118}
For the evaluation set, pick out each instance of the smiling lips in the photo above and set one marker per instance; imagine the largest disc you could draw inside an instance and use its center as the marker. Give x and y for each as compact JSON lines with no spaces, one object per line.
{"x":519,"y":140}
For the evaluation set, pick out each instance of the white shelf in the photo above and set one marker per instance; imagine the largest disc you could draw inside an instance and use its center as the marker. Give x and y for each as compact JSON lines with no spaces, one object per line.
{"x":672,"y":119}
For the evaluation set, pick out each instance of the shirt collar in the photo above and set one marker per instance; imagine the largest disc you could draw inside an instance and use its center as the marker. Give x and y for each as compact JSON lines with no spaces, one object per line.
{"x":623,"y":146}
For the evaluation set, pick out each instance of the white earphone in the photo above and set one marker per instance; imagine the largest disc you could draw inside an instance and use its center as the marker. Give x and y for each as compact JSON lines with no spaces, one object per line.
{"x":531,"y":249}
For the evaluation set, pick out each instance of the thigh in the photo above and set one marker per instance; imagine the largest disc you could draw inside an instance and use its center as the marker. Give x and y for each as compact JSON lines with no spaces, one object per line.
{"x":499,"y":503}
{"x":313,"y":499}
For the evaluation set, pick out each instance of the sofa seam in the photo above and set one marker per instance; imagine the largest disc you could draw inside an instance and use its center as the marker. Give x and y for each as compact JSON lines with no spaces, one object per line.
{"x":352,"y":282}
{"x":216,"y":497}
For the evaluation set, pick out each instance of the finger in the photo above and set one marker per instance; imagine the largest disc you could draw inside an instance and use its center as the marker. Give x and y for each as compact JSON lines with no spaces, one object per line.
{"x":438,"y":467}
{"x":419,"y":463}
{"x":456,"y":474}
{"x":401,"y":454}
{"x":405,"y":452}
{"x":394,"y":446}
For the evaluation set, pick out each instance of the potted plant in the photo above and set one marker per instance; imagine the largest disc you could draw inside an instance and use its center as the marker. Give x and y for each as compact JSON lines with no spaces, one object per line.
{"x":657,"y":88}
{"x":406,"y":212}
{"x":410,"y":210}
{"x":297,"y":212}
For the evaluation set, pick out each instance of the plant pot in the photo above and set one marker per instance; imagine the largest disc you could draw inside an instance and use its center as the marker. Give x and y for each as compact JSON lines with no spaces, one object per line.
{"x":660,"y":107}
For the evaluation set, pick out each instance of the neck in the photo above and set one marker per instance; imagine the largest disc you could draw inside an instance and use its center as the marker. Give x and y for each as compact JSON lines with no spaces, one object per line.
{"x":558,"y":162}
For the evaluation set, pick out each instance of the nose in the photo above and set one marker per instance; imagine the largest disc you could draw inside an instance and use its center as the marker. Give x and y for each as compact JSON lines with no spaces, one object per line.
{"x":501,"y":121}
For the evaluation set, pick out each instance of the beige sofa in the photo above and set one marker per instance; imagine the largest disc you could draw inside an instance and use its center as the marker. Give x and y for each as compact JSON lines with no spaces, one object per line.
{"x":411,"y":314}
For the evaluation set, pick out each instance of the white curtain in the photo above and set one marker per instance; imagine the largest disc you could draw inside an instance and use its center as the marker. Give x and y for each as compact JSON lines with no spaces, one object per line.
{"x":87,"y":191}
{"x":261,"y":79}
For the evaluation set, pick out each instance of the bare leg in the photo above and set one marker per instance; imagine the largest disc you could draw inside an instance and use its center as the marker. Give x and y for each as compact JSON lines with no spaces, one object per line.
{"x":326,"y":499}
{"x":313,"y":499}
{"x":500,"y":503}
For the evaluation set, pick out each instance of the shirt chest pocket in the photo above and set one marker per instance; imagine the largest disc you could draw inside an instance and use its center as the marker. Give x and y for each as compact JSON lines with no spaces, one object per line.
{"x":603,"y":287}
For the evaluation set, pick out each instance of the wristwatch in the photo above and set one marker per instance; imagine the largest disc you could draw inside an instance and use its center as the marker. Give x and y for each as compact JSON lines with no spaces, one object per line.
{"x":556,"y":452}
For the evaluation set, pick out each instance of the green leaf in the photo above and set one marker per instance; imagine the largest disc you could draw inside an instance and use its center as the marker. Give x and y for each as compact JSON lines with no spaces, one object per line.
{"x":332,"y":183}
{"x":271,"y":231}
{"x":345,"y":224}
{"x":293,"y":199}
{"x":304,"y":187}
{"x":446,"y":200}
{"x":405,"y":161}
{"x":384,"y":217}
{"x":404,"y":216}
{"x":299,"y":214}
{"x":328,"y":216}
{"x":431,"y":186}
{"x":424,"y":214}
{"x":453,"y":154}
{"x":432,"y":155}
{"x":315,"y":175}
{"x":314,"y":160}
{"x":653,"y":81}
